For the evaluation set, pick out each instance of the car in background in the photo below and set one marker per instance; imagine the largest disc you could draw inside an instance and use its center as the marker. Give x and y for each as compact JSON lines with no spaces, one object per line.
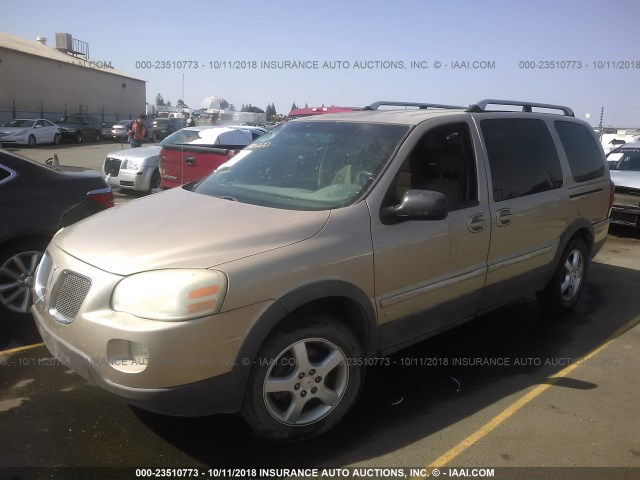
{"x":134,"y":168}
{"x":625,"y":173}
{"x":120,"y":130}
{"x":160,"y":128}
{"x":78,"y":128}
{"x":29,"y":131}
{"x":137,"y":169}
{"x":255,"y":132}
{"x":37,"y":201}
{"x":194,"y":152}
{"x":105,"y":129}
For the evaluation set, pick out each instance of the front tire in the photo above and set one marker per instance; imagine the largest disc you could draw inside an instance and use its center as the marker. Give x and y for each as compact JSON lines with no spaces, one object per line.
{"x":565,"y":288}
{"x":305,"y":380}
{"x":155,"y":181}
{"x":78,"y":137}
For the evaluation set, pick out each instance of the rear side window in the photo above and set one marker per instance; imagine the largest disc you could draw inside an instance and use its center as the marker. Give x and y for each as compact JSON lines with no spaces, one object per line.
{"x":583,"y":152}
{"x":522,"y":157}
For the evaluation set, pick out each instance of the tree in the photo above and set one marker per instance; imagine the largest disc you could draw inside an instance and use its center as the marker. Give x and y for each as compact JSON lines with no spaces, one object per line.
{"x":294,"y":106}
{"x":271,"y":111}
{"x":168,"y":103}
{"x":232,"y":107}
{"x":306,"y":105}
{"x":160,"y":101}
{"x":251,"y":108}
{"x":180,"y":103}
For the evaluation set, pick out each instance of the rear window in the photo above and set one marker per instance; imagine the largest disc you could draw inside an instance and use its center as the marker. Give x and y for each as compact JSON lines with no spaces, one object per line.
{"x":522,"y":157}
{"x":582,"y":150}
{"x":630,"y":160}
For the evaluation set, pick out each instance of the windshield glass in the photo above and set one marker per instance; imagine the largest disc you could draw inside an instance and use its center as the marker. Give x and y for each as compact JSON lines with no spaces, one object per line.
{"x":20,"y":123}
{"x":307,"y":165}
{"x":629,"y":160}
{"x":209,"y":136}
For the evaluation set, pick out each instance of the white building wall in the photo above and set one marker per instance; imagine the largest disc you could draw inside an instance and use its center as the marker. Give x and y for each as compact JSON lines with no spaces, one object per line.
{"x":32,"y":84}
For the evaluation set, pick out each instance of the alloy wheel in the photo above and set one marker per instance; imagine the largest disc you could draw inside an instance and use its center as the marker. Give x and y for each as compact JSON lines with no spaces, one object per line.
{"x":16,"y":281}
{"x":573,"y":275}
{"x":306,"y":382}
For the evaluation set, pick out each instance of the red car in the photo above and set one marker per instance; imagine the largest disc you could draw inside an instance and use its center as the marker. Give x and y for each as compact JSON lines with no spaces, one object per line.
{"x":194,"y":152}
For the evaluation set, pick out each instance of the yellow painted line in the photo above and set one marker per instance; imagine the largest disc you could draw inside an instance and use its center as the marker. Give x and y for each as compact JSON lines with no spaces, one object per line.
{"x":21,"y":349}
{"x":521,"y":402}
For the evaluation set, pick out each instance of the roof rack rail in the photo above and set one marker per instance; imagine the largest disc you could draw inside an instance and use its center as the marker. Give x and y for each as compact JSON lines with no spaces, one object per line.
{"x":481,"y":106}
{"x":421,"y":106}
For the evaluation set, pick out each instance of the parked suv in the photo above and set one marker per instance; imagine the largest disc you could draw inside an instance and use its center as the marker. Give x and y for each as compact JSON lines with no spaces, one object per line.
{"x":160,"y":128}
{"x":265,"y":287}
{"x":79,"y":128}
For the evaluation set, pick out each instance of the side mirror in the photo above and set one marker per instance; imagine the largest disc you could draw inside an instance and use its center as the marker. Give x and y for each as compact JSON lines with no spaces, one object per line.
{"x":37,"y":126}
{"x":418,"y":205}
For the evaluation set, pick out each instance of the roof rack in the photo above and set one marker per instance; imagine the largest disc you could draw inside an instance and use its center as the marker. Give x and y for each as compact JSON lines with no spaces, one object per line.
{"x":421,"y":106}
{"x":481,"y":106}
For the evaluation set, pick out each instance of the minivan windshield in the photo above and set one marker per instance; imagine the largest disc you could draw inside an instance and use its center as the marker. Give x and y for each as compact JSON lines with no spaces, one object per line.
{"x":307,"y":165}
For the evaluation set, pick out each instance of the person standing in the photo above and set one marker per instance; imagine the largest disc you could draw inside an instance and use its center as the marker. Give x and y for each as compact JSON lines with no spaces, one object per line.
{"x":138,"y":131}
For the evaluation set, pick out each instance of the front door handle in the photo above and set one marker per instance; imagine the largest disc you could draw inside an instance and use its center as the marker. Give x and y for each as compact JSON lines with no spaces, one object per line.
{"x":503,"y":217}
{"x":478,"y":223}
{"x":190,"y":161}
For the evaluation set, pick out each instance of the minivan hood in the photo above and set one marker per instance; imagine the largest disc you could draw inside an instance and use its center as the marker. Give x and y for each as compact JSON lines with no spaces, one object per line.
{"x":626,"y":178}
{"x":182,"y":229}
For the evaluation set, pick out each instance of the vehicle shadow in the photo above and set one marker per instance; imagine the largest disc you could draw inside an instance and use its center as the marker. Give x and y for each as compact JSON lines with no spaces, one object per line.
{"x":18,"y":333}
{"x":426,"y":388}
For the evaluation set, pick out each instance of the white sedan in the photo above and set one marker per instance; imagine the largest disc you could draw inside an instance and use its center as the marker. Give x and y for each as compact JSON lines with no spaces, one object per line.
{"x":29,"y":131}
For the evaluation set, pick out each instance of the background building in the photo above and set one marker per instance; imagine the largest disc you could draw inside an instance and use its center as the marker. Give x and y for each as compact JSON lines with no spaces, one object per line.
{"x":38,"y":80}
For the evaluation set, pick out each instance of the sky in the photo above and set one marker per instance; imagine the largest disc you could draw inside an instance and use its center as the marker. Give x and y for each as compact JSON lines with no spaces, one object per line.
{"x":501,"y":32}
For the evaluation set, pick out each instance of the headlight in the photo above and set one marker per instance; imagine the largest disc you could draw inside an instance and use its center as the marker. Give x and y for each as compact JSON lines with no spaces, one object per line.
{"x":132,"y":165}
{"x":171,"y":295}
{"x":21,"y":132}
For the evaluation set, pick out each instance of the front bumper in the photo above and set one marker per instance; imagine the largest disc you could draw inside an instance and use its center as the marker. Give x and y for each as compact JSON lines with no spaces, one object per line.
{"x":191,"y":367}
{"x":17,"y":140}
{"x":132,"y":179}
{"x":221,"y":394}
{"x":625,"y":215}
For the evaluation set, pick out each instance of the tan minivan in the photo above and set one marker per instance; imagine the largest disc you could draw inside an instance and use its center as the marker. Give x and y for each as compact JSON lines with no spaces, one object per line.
{"x":266,"y":287}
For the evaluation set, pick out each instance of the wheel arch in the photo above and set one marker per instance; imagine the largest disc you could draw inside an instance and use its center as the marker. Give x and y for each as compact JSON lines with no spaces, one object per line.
{"x":334,"y":296}
{"x":581,"y":228}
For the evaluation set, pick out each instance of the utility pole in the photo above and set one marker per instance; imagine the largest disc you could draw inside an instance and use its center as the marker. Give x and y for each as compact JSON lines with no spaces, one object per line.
{"x":601,"y":115}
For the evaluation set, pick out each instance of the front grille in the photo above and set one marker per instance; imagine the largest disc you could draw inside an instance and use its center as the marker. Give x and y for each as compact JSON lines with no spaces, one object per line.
{"x":112,"y":166}
{"x":68,"y":294}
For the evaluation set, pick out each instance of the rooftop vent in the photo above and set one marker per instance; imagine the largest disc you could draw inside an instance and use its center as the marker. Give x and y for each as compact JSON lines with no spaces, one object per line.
{"x":42,"y":40}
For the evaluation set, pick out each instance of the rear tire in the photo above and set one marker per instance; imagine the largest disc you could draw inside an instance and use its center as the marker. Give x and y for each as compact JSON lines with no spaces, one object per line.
{"x":565,"y":288}
{"x":32,"y":141}
{"x":305,"y":379}
{"x":56,"y":139}
{"x":18,"y":262}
